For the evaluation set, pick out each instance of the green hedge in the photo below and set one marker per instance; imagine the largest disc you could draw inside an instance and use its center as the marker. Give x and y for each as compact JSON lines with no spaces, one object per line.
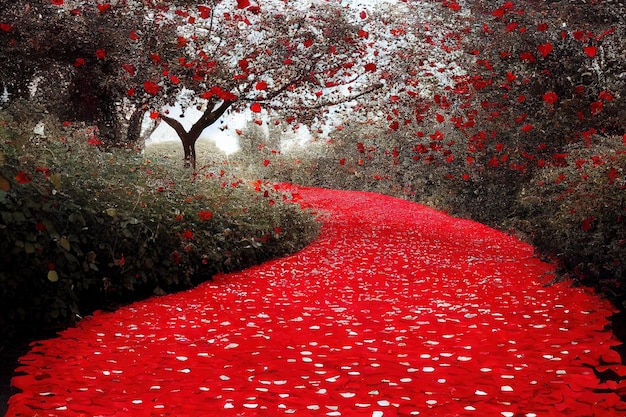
{"x":82,"y":228}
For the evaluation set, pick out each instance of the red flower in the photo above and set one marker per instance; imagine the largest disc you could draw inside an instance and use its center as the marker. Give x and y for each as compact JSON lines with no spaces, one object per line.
{"x":40,"y":227}
{"x":101,"y":53}
{"x":57,"y":2}
{"x":205,"y":215}
{"x":255,"y":107}
{"x":22,"y":177}
{"x":187,"y":234}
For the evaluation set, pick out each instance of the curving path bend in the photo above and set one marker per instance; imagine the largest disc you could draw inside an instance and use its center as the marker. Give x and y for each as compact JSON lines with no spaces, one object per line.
{"x":395,"y":310}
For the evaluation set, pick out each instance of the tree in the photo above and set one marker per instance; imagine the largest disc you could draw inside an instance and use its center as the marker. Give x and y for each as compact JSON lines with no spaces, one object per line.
{"x":270,"y":58}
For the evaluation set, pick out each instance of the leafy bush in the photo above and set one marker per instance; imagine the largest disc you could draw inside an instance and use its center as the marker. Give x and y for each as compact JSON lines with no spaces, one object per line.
{"x":575,"y":210}
{"x":83,"y":228}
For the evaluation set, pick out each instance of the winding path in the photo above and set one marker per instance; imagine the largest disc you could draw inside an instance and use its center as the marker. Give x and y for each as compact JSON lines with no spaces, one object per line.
{"x":395,"y":310}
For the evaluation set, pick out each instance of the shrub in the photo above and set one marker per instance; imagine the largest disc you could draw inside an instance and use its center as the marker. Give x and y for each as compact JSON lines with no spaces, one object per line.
{"x":575,"y":211}
{"x":84,"y":228}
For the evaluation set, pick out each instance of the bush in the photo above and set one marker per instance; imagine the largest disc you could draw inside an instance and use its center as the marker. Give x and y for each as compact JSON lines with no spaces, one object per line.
{"x":84,"y":228}
{"x":575,"y":211}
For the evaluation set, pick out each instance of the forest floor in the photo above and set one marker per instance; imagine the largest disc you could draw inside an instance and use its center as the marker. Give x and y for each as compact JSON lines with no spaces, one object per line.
{"x":395,"y":310}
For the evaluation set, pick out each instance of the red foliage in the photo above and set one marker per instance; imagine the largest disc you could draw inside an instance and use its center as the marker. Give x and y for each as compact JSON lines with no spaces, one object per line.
{"x":255,"y":108}
{"x":22,"y":177}
{"x":205,"y":215}
{"x":151,"y":87}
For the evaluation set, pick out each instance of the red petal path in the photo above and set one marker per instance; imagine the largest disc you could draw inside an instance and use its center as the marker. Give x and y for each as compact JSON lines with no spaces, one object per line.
{"x":395,"y":310}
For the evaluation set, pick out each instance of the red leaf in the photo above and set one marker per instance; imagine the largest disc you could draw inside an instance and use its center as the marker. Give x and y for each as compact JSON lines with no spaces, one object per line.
{"x":187,"y":234}
{"x":243,"y":64}
{"x":580,"y":35}
{"x":342,"y":161}
{"x":527,"y":56}
{"x":103,"y":8}
{"x":371,"y":67}
{"x":133,"y":35}
{"x":440,"y":118}
{"x":223,"y":94}
{"x":129,"y":68}
{"x":94,"y":141}
{"x":542,"y":27}
{"x":5,"y":27}
{"x":154,"y":115}
{"x":255,"y":108}
{"x":527,"y":128}
{"x":596,"y":107}
{"x":57,"y":2}
{"x":308,"y":43}
{"x":590,"y":51}
{"x":174,"y":79}
{"x":586,"y":225}
{"x":79,"y":62}
{"x":613,"y":174}
{"x":266,"y":162}
{"x":242,"y":4}
{"x":205,"y":215}
{"x":606,"y":95}
{"x":22,"y":177}
{"x":624,"y":139}
{"x":545,"y":49}
{"x":498,"y":13}
{"x":205,"y":12}
{"x":550,"y":97}
{"x":151,"y":88}
{"x":512,"y":26}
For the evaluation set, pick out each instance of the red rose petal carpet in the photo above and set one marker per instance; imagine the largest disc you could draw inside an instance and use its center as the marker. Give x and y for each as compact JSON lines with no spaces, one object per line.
{"x":395,"y":310}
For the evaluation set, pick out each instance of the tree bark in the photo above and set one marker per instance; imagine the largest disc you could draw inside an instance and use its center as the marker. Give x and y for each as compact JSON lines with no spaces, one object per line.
{"x":189,"y":138}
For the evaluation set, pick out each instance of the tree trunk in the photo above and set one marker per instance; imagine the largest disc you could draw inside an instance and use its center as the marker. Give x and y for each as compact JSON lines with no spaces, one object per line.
{"x":133,"y":134}
{"x":189,"y":138}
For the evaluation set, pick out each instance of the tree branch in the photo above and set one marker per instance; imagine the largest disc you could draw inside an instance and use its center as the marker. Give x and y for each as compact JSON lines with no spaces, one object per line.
{"x":175,"y":124}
